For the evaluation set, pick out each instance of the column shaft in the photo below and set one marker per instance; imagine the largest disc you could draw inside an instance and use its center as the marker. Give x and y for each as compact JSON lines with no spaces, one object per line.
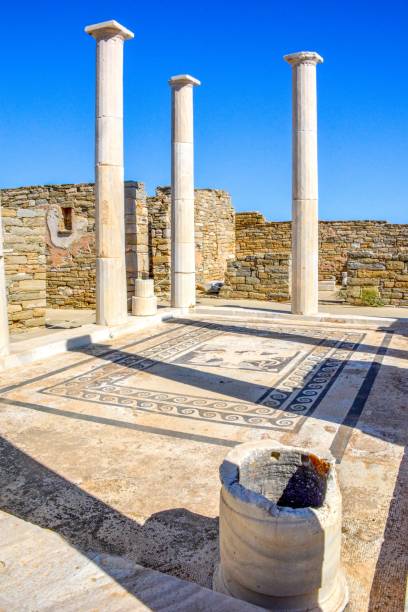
{"x":111,"y":291}
{"x":305,"y":241}
{"x":182,"y":193}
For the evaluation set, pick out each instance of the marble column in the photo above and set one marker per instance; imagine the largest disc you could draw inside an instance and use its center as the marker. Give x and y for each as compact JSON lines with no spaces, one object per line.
{"x":182,"y":192}
{"x":111,"y":293}
{"x":4,"y":331}
{"x":305,"y":240}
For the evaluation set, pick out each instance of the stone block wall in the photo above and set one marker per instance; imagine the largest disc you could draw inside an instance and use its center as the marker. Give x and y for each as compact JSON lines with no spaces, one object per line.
{"x":378,"y":271}
{"x":261,"y":269}
{"x":23,"y":215}
{"x":371,"y":252}
{"x":159,"y":220}
{"x":258,"y":277}
{"x":70,"y":250}
{"x":214,"y":235}
{"x":50,"y":244}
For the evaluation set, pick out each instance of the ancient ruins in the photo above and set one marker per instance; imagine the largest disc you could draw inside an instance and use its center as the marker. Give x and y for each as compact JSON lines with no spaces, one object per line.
{"x":278,"y":352}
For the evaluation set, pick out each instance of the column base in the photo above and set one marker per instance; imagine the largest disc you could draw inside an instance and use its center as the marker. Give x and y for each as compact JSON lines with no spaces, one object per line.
{"x":183,"y":290}
{"x":144,"y":306}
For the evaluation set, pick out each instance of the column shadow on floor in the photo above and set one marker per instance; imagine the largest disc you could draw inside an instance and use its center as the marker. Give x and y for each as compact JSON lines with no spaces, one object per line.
{"x":175,"y":541}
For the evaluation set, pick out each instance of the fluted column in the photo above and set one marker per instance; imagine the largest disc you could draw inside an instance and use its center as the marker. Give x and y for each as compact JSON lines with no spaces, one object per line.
{"x":4,"y":331}
{"x":182,"y":192}
{"x":111,"y":292}
{"x":305,"y":240}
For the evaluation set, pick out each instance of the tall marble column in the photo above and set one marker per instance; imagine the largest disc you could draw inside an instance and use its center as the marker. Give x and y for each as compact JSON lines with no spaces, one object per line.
{"x":111,"y":293}
{"x":4,"y":331}
{"x":182,"y":192}
{"x":305,"y":240}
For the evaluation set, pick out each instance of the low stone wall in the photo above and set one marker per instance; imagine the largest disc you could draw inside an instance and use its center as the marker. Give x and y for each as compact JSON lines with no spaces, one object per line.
{"x":378,"y":274}
{"x":49,"y":240}
{"x":371,"y":252}
{"x":258,"y":277}
{"x":214,"y":235}
{"x":255,"y":235}
{"x":23,"y":215}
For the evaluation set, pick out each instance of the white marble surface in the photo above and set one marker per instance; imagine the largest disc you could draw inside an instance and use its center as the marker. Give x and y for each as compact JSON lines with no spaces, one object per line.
{"x":305,"y":244}
{"x":111,"y":289}
{"x":182,"y":193}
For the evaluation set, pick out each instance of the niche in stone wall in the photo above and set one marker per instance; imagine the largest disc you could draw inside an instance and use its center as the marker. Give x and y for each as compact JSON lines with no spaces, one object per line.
{"x":64,"y":225}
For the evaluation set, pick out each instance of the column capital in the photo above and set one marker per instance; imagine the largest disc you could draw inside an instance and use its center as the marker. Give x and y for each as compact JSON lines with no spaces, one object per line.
{"x":303,"y":57}
{"x":183,"y":79}
{"x":108,"y":29}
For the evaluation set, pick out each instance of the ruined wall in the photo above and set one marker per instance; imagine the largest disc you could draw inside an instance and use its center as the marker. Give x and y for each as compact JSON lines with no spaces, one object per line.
{"x":49,"y":240}
{"x":260,"y":270}
{"x":50,"y":244}
{"x":70,"y":246}
{"x":71,"y":253}
{"x":378,"y":271}
{"x":372,"y":252}
{"x":23,"y":215}
{"x":214,"y":235}
{"x":258,"y":277}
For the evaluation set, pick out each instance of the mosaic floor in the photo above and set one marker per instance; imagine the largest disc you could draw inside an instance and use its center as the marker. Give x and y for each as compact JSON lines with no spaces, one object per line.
{"x":133,"y":433}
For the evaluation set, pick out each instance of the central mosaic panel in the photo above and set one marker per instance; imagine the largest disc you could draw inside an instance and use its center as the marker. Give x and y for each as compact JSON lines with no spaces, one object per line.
{"x":266,"y":376}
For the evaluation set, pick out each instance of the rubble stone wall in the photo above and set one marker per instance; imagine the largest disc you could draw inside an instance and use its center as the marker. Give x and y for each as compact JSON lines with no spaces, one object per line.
{"x":49,"y":243}
{"x":378,"y":271}
{"x":70,"y":252}
{"x":23,"y":215}
{"x":373,"y":253}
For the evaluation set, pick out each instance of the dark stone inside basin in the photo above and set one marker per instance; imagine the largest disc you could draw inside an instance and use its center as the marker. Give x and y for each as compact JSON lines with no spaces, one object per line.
{"x":290,"y":479}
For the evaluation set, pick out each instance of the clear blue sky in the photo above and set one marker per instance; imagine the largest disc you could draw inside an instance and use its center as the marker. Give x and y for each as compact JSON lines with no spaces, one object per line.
{"x":242,"y":109}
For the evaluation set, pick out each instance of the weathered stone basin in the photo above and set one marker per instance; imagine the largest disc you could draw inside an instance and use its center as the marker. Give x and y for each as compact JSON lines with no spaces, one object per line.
{"x":280,"y":529}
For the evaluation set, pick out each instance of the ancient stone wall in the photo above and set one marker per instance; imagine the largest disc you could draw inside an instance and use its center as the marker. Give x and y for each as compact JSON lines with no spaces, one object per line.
{"x":214,"y":235}
{"x":258,"y":277}
{"x":50,"y":247}
{"x":70,"y":236}
{"x":378,"y":270}
{"x":344,"y":246}
{"x":260,"y":270}
{"x":49,"y":240}
{"x":23,"y":213}
{"x":50,"y":244}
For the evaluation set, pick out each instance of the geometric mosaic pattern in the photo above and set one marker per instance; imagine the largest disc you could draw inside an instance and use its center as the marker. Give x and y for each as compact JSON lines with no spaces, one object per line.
{"x":300,"y":382}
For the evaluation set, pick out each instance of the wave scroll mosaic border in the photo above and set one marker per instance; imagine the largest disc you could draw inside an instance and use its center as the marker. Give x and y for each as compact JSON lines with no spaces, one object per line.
{"x":282,"y":407}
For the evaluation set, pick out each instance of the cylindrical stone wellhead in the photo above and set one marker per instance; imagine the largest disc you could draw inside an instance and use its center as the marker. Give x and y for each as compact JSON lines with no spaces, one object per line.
{"x":144,"y":302}
{"x":280,"y":529}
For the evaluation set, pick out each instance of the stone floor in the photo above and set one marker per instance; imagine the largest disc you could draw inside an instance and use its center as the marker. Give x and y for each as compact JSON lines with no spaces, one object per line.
{"x":116,"y":448}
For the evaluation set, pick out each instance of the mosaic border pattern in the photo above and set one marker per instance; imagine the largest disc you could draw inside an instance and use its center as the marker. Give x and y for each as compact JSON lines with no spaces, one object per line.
{"x":294,"y":396}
